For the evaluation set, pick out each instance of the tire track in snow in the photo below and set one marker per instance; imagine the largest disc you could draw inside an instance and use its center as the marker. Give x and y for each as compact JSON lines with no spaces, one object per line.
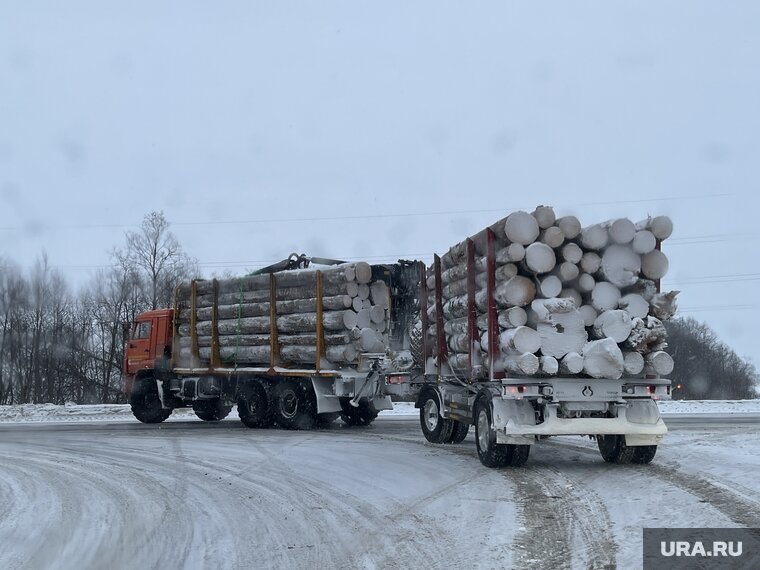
{"x":743,"y":509}
{"x":547,"y":540}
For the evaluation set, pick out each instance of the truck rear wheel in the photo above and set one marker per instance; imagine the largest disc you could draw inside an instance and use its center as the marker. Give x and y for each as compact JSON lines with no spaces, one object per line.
{"x":644,"y":454}
{"x":294,"y":405}
{"x":614,"y":450}
{"x":435,"y":428}
{"x":146,"y":404}
{"x":211,"y":410}
{"x":254,"y":405}
{"x":490,"y":453}
{"x":361,"y":415}
{"x":459,"y":432}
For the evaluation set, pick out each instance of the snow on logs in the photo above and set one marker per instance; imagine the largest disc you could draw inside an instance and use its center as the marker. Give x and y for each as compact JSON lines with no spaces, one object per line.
{"x":570,"y":299}
{"x":354,"y":313}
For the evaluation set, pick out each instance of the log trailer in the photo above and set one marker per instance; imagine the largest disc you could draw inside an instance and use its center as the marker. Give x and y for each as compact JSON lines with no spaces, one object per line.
{"x":509,"y":412}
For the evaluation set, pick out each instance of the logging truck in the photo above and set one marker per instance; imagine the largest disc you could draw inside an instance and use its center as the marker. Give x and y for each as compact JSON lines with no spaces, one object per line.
{"x":532,"y":328}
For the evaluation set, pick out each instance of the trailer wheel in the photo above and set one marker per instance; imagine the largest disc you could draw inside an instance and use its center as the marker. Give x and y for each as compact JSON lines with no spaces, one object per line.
{"x":327,"y":418}
{"x":435,"y":428}
{"x":211,"y":410}
{"x":146,"y":404}
{"x":361,"y":415}
{"x":294,"y":405}
{"x":254,"y":405}
{"x":643,"y":454}
{"x":459,"y":432}
{"x":490,"y":453}
{"x":519,"y":455}
{"x":614,"y":450}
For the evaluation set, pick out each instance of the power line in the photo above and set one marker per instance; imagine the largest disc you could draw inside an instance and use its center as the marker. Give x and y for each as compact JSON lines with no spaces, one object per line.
{"x":368,"y":216}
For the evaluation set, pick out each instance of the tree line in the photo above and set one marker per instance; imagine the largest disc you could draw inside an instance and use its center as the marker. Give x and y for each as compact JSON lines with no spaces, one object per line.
{"x":56,"y":346}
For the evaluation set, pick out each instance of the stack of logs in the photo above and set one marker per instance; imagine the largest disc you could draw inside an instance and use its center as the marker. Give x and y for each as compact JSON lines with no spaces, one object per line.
{"x":354,"y":309}
{"x":570,"y":300}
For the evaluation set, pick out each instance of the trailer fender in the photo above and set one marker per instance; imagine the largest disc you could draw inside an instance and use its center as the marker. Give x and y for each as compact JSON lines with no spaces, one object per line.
{"x":515,"y":412}
{"x":642,"y":412}
{"x":324,"y":388}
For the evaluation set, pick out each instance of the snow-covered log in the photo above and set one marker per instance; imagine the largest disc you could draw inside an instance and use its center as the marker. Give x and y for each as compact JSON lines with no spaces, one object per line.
{"x":591,"y":262}
{"x":539,"y":258}
{"x":615,"y":324}
{"x":520,"y":339}
{"x":644,"y":242}
{"x":570,"y":226}
{"x":594,"y":237}
{"x":549,"y":286}
{"x":605,"y":296}
{"x":552,"y":236}
{"x":549,"y":365}
{"x":621,"y":265}
{"x":663,"y":305}
{"x":660,"y":226}
{"x":603,"y":359}
{"x":659,"y":362}
{"x":567,"y":271}
{"x":635,"y":305}
{"x":571,"y":363}
{"x":647,"y":335}
{"x":633,"y":363}
{"x":560,"y":327}
{"x":520,"y":227}
{"x":589,"y":314}
{"x":654,"y":264}
{"x":545,"y":216}
{"x":621,"y":230}
{"x":586,"y":283}
{"x":572,"y":253}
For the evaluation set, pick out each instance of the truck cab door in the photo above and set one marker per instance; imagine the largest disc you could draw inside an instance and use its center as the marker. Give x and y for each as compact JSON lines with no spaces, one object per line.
{"x":139,"y":354}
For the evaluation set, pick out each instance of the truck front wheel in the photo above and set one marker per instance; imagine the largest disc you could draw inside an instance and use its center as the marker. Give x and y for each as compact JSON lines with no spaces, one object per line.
{"x":146,"y":404}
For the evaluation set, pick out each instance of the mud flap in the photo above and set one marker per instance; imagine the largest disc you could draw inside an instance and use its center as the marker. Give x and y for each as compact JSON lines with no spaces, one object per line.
{"x":324,"y":389}
{"x":516,"y":413}
{"x":382,"y":403}
{"x":642,"y":412}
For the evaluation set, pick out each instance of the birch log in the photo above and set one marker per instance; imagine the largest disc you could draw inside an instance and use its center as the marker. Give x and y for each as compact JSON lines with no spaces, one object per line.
{"x":603,"y":359}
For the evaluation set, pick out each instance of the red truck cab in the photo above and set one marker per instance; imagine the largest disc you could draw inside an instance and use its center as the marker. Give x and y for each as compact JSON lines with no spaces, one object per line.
{"x":149,"y":339}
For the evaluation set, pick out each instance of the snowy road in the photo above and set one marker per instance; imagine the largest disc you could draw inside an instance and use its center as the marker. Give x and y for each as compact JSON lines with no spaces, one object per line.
{"x":192,"y":495}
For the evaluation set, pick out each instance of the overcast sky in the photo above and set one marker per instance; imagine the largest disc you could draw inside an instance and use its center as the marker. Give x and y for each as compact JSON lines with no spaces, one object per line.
{"x":383,"y":130}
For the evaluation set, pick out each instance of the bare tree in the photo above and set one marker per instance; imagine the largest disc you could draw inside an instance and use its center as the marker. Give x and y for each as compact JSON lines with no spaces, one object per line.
{"x":157,"y":258}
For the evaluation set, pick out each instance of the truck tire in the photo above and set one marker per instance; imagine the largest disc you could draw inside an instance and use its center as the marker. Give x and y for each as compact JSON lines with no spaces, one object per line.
{"x":211,"y":410}
{"x":459,"y":432}
{"x":326,"y":419}
{"x":294,"y":405}
{"x":643,"y":455}
{"x":519,"y":455}
{"x":361,"y":415}
{"x":253,"y":403}
{"x":435,"y":428}
{"x":145,"y":402}
{"x":614,"y":450}
{"x":490,"y":453}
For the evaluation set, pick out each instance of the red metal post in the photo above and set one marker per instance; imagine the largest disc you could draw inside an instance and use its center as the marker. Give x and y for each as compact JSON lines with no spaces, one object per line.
{"x":472,"y":316}
{"x":424,"y":312}
{"x":443,"y":350}
{"x":493,"y":322}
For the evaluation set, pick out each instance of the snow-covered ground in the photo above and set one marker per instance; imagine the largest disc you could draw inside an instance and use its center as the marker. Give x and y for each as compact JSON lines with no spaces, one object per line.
{"x":116,"y":412}
{"x":192,"y":495}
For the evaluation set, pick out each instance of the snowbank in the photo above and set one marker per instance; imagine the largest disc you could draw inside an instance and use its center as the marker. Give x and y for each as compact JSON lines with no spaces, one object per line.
{"x":115,"y":412}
